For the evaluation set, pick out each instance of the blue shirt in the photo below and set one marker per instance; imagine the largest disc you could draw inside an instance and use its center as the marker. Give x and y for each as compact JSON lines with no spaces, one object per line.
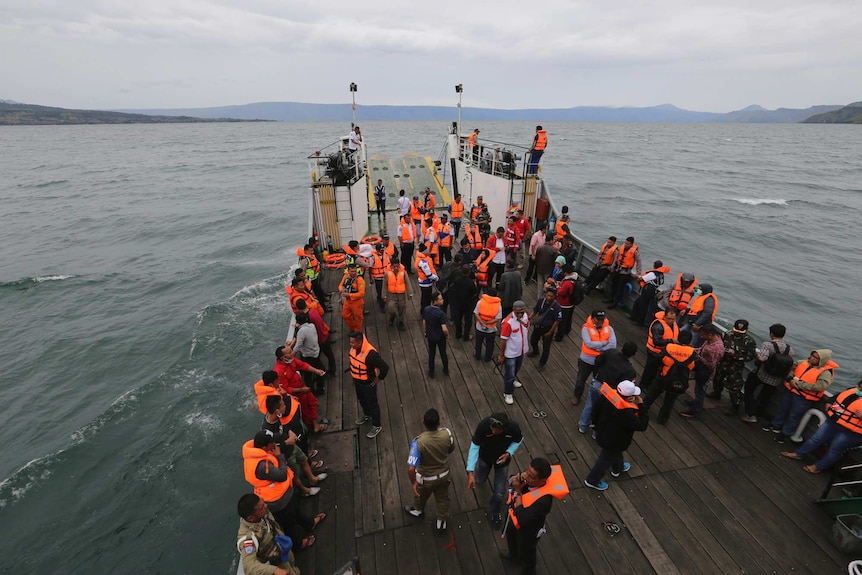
{"x":435,"y":318}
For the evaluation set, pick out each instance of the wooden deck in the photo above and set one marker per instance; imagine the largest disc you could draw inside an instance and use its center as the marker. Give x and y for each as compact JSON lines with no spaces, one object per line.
{"x":704,"y":496}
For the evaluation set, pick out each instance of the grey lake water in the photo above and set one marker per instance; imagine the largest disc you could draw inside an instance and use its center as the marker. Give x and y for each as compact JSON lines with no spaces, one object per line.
{"x":142,"y":292}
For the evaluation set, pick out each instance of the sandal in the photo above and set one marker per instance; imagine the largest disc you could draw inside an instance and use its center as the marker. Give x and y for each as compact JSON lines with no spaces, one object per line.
{"x":317,"y":464}
{"x":321,"y":428}
{"x":811,"y":469}
{"x":312,"y":454}
{"x":307,"y":542}
{"x":317,"y":519}
{"x":790,"y":455}
{"x":325,"y":421}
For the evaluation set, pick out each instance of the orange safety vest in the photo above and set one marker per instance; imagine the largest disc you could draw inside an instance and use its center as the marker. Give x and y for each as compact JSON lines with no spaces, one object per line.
{"x":615,"y":398}
{"x":482,"y":268}
{"x":662,"y":270}
{"x":430,"y":236}
{"x":429,"y":202}
{"x":601,"y":334}
{"x":607,"y":255}
{"x":678,"y":297}
{"x":456,"y":209}
{"x":471,"y":141}
{"x":309,"y":298}
{"x":626,"y":256}
{"x":680,"y":353}
{"x":356,"y":289}
{"x":379,"y":266}
{"x":406,"y":229}
{"x":487,"y":311}
{"x":415,"y":214}
{"x":697,"y":306}
{"x":396,"y":283}
{"x":843,"y":410}
{"x":541,"y":140}
{"x":659,"y":317}
{"x":446,"y":242}
{"x":358,"y":369}
{"x":555,"y":486}
{"x":263,"y":391}
{"x":561,"y":233}
{"x":422,"y":256}
{"x":267,"y":490}
{"x":809,"y":374}
{"x":472,"y":234}
{"x":475,"y":210}
{"x":389,"y":251}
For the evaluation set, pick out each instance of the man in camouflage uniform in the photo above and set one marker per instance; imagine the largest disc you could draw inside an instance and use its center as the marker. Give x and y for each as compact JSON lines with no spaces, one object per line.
{"x":256,"y":539}
{"x":739,"y":349}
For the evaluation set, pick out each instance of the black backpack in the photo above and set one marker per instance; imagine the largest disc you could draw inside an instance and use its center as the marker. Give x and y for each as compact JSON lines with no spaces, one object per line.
{"x":779,"y":363}
{"x":676,"y":378}
{"x":579,"y":292}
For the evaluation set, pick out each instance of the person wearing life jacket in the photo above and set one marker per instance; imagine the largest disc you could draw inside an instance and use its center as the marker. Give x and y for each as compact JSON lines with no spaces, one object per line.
{"x":407,"y":235}
{"x":645,"y":305}
{"x":476,"y":209}
{"x":388,"y":247}
{"x":540,"y":142}
{"x":483,"y":265}
{"x":287,"y":366}
{"x":428,"y":201}
{"x":613,"y":366}
{"x":473,"y":145}
{"x":298,"y":290}
{"x":352,"y":290}
{"x":429,"y":238}
{"x":416,"y":211}
{"x":604,"y":260}
{"x":368,"y":370}
{"x":426,"y":274}
{"x":628,"y":261}
{"x":456,"y":214}
{"x":702,"y":311}
{"x":562,"y":229}
{"x":597,"y":336}
{"x":396,"y":292}
{"x":841,"y":431}
{"x":380,"y":264}
{"x":801,"y":391}
{"x":512,"y":238}
{"x":256,"y":540}
{"x":618,"y":414}
{"x":662,"y":331}
{"x":309,"y":262}
{"x":444,"y":239}
{"x":323,"y":331}
{"x":679,"y":357}
{"x":683,"y":290}
{"x":488,"y":312}
{"x":266,"y":469}
{"x":472,"y":234}
{"x":531,"y":497}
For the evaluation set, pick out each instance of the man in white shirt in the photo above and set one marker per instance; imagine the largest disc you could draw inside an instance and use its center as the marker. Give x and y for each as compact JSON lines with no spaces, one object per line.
{"x":355,"y":141}
{"x":514,"y":343}
{"x":403,"y":204}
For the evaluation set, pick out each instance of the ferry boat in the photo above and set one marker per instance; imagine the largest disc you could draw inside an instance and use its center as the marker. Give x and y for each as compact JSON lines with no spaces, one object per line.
{"x":705,"y":496}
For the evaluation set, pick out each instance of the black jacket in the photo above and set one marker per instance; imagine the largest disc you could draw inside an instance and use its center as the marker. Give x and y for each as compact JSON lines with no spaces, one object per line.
{"x":616,"y":427}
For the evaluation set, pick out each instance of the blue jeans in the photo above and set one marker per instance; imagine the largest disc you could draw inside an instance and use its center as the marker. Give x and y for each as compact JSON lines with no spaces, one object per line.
{"x":839,"y":440}
{"x":791,"y":408}
{"x":510,"y":372}
{"x":592,"y":397}
{"x":501,"y":475}
{"x":486,"y":339}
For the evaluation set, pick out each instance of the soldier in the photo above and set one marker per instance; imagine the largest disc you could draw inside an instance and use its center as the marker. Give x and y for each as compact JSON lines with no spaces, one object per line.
{"x":428,"y":468}
{"x":739,"y":349}
{"x":256,"y":540}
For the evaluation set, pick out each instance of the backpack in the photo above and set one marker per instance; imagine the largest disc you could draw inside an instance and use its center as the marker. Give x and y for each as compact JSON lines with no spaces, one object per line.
{"x":579,"y":292}
{"x":779,"y":363}
{"x":676,"y":378}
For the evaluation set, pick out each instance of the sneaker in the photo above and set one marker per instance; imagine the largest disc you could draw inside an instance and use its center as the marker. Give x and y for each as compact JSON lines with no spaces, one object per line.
{"x":582,"y":429}
{"x":687,"y":414}
{"x":771,"y":428}
{"x":602,"y":485}
{"x":441,"y":525}
{"x":507,"y":397}
{"x":362,"y":419}
{"x":311,"y":491}
{"x":749,"y":419}
{"x":518,"y":384}
{"x":374,"y":431}
{"x":496,"y":519}
{"x":626,"y":467}
{"x":413,"y":511}
{"x":781,"y":439}
{"x":320,"y":477}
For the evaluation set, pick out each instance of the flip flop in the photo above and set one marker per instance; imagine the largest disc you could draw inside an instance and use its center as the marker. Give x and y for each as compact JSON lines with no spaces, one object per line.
{"x":811,"y":469}
{"x":307,"y":542}
{"x":325,"y":421}
{"x":317,"y":464}
{"x":313,"y":453}
{"x":321,"y":428}
{"x":790,"y":455}
{"x":317,"y":519}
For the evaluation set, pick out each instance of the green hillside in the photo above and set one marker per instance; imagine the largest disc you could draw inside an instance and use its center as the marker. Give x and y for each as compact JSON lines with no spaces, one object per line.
{"x":14,"y":114}
{"x":849,"y":114}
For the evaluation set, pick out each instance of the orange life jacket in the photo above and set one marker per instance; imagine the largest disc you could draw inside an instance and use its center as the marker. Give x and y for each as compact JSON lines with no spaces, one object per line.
{"x":396,"y":283}
{"x":679,"y":297}
{"x":456,"y":209}
{"x":662,"y":270}
{"x":615,"y":398}
{"x":809,"y":374}
{"x":267,"y":490}
{"x":446,"y":242}
{"x":263,"y":391}
{"x":601,"y":334}
{"x":697,"y":306}
{"x":475,"y":210}
{"x":379,"y":266}
{"x":408,"y":231}
{"x":358,"y":369}
{"x":659,"y":317}
{"x":421,"y":275}
{"x":430,"y":236}
{"x":471,"y":141}
{"x":389,"y":251}
{"x":415,"y":213}
{"x":487,"y":311}
{"x":607,"y":255}
{"x":555,"y":486}
{"x":482,"y":268}
{"x":310,"y":301}
{"x":541,"y":140}
{"x":677,"y":353}
{"x":843,"y":410}
{"x":472,"y":233}
{"x":429,"y":202}
{"x":356,"y":289}
{"x":626,"y":256}
{"x":561,"y":233}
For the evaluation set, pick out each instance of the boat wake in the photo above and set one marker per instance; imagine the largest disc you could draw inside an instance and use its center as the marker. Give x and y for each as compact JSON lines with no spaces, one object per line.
{"x":761,"y":201}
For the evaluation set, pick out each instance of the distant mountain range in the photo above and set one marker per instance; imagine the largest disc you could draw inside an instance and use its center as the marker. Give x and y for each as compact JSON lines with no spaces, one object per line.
{"x":849,"y":114}
{"x":299,"y":112}
{"x":16,"y":114}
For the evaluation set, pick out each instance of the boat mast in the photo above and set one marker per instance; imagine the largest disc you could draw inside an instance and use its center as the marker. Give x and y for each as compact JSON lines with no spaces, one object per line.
{"x":459,"y":89}
{"x":353,"y":90}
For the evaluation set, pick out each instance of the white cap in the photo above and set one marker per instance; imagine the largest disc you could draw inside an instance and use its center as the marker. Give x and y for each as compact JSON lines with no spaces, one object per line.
{"x":365,"y":250}
{"x":628,"y":388}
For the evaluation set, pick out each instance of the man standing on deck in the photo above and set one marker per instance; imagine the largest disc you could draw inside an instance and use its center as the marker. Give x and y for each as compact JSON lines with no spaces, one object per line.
{"x":606,"y":258}
{"x":540,"y":142}
{"x":379,"y":266}
{"x":435,"y":327}
{"x":701,"y":312}
{"x":462,"y":297}
{"x":352,"y":289}
{"x":739,"y":349}
{"x":708,"y":355}
{"x":380,"y":198}
{"x":473,"y":145}
{"x":513,"y":345}
{"x":426,"y":274}
{"x":597,"y":336}
{"x":535,"y":243}
{"x":612,"y":367}
{"x":428,"y":468}
{"x":456,"y":214}
{"x":545,"y":256}
{"x":407,"y":235}
{"x":628,"y":259}
{"x":367,"y":369}
{"x":662,"y":331}
{"x":770,"y":373}
{"x":403,"y":204}
{"x":495,"y":441}
{"x":396,"y":291}
{"x":569,"y":295}
{"x":547,"y":315}
{"x":444,"y":239}
{"x":511,"y":286}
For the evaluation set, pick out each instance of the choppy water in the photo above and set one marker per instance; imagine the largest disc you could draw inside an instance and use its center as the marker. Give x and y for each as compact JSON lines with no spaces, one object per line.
{"x":141,"y":292}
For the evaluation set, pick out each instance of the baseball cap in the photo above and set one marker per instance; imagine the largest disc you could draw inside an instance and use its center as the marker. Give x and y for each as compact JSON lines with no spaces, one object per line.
{"x":627,"y":388}
{"x":263,"y":438}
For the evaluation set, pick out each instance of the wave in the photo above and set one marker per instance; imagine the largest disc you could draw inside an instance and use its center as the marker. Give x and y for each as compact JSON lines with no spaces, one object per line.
{"x":30,"y":475}
{"x":50,"y":183}
{"x":761,"y":201}
{"x":25,"y":283}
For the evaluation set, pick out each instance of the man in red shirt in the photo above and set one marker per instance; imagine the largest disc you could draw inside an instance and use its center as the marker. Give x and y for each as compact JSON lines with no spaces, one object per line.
{"x":524,"y":229}
{"x":286,"y":366}
{"x":512,"y":239}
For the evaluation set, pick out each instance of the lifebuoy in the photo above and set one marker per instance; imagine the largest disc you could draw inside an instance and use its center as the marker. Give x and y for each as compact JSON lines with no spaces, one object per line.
{"x":334,"y":261}
{"x":373,"y":240}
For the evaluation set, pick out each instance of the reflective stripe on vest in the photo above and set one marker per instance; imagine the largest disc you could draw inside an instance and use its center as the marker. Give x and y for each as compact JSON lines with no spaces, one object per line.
{"x":613,"y":396}
{"x":396,"y":283}
{"x":446,"y":241}
{"x":269,"y":491}
{"x":422,"y":276}
{"x":809,"y":374}
{"x":408,"y":232}
{"x":358,"y":369}
{"x":843,"y":410}
{"x":601,"y":334}
{"x":650,"y":344}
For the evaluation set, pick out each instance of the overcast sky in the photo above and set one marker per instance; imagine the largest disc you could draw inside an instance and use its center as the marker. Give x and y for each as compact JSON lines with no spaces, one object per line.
{"x":710,"y":55}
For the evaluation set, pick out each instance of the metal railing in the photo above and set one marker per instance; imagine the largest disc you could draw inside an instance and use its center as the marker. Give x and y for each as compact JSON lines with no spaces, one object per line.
{"x":496,"y":158}
{"x":338,"y":163}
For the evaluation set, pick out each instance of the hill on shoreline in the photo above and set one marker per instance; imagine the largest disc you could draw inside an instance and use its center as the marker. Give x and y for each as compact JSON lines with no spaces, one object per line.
{"x":16,"y":114}
{"x":849,"y":114}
